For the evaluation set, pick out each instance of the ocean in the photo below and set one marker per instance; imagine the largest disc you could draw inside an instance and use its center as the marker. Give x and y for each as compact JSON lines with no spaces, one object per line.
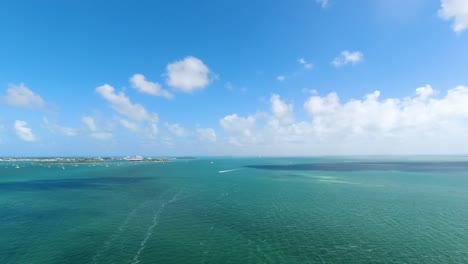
{"x":236,"y":210}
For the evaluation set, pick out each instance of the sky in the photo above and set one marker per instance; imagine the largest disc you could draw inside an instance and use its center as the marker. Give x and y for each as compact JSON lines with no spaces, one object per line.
{"x":233,"y":78}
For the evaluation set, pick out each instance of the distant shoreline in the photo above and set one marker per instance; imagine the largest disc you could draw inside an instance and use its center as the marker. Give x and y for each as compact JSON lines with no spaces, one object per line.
{"x":84,"y":160}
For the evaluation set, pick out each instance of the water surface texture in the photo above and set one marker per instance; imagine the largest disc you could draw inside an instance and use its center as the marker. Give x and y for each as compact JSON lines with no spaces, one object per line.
{"x":236,"y":210}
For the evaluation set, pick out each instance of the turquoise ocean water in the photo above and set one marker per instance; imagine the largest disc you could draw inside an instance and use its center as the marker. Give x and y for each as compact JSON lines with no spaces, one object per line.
{"x":236,"y":210}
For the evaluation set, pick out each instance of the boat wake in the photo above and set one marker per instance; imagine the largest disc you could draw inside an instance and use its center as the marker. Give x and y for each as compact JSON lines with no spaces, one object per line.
{"x":122,"y":228}
{"x":150,"y":230}
{"x":118,"y":232}
{"x":226,"y":171}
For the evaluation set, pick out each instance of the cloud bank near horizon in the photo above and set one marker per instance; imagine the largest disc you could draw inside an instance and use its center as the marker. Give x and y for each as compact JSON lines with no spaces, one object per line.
{"x":426,"y":122}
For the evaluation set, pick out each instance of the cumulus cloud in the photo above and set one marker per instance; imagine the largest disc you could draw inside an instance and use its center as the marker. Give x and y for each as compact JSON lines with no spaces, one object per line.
{"x":135,"y":112}
{"x":281,"y":78}
{"x":242,"y":131}
{"x":94,"y":130}
{"x":207,"y":134}
{"x":58,"y":129}
{"x":456,"y":10}
{"x":282,"y":111}
{"x":390,"y":117}
{"x":22,"y":96}
{"x":307,"y":65}
{"x":188,"y":75}
{"x":322,"y":3}
{"x":348,"y":57}
{"x":122,"y":104}
{"x":176,"y":129}
{"x":393,"y":120}
{"x":425,"y":92}
{"x":422,"y":123}
{"x":23,"y":131}
{"x":238,"y":125}
{"x":322,"y":105}
{"x":139,"y":82}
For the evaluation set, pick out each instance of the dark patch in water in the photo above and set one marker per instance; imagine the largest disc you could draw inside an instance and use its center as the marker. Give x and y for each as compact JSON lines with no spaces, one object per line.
{"x":370,"y":166}
{"x":86,"y":183}
{"x":290,"y":175}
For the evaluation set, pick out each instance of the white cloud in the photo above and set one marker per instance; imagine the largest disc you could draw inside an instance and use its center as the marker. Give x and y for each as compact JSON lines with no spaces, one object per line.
{"x":139,"y":82}
{"x":21,"y":96}
{"x":207,"y":134}
{"x":152,"y":130}
{"x":425,"y":92}
{"x":242,"y":131}
{"x":411,"y":120}
{"x":456,"y":10}
{"x":307,"y":65}
{"x":247,"y":133}
{"x":282,"y":111}
{"x":238,"y":125}
{"x":188,"y":75}
{"x":94,"y":130}
{"x":323,"y":3}
{"x":281,"y":78}
{"x":322,"y":105}
{"x":348,"y":57}
{"x":391,"y":116}
{"x":122,"y":104}
{"x":58,"y":129}
{"x":423,"y":123}
{"x":23,"y":132}
{"x":135,"y":112}
{"x":129,"y":125}
{"x":90,"y":123}
{"x":176,"y":129}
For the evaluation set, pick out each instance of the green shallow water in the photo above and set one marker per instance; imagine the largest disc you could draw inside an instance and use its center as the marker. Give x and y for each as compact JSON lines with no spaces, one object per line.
{"x":258,"y":210}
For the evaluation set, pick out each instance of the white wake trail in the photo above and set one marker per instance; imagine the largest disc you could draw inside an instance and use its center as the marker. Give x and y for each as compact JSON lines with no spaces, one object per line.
{"x":226,"y":171}
{"x":149,"y":231}
{"x":118,"y":232}
{"x":121,"y":228}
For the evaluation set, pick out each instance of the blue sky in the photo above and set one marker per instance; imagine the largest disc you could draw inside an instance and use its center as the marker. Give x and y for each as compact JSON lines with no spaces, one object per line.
{"x":242,"y":77}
